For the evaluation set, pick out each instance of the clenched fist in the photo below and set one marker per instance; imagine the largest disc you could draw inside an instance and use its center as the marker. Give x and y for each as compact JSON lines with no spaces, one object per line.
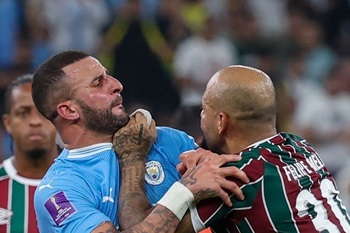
{"x":134,"y":140}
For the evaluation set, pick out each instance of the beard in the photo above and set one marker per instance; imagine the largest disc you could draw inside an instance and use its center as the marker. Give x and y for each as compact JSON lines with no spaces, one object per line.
{"x":102,"y":120}
{"x":203,"y":144}
{"x":36,"y":154}
{"x":213,"y":147}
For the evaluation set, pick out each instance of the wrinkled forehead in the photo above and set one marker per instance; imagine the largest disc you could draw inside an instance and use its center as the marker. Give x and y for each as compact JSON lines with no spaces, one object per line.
{"x":84,"y":70}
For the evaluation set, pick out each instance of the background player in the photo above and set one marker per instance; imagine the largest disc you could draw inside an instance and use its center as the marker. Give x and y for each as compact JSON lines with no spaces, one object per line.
{"x":34,"y":150}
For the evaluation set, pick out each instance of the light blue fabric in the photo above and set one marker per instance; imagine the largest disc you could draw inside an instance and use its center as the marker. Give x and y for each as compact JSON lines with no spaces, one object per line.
{"x":161,"y":163}
{"x":80,"y":190}
{"x":89,"y":178}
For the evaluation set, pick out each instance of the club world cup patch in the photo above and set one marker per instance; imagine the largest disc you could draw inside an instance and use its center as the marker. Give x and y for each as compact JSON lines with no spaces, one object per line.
{"x":154,"y":173}
{"x":59,"y":207}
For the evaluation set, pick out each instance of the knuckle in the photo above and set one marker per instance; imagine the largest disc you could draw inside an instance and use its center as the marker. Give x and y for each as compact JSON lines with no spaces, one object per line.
{"x":234,"y":185}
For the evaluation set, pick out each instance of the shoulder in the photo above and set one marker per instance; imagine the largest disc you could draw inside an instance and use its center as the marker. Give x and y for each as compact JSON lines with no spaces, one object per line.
{"x":62,"y":200}
{"x":70,"y":176}
{"x":69,"y":188}
{"x":173,"y":138}
{"x":3,"y":168}
{"x":56,"y":181}
{"x":7,"y":170}
{"x":170,"y":143}
{"x":171,"y":133}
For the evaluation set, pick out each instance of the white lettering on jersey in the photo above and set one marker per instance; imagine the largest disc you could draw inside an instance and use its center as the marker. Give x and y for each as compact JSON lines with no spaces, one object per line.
{"x":297,"y":170}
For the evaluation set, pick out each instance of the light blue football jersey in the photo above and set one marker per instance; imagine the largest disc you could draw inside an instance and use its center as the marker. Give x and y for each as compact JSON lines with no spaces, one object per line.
{"x":80,"y":190}
{"x":161,"y":162}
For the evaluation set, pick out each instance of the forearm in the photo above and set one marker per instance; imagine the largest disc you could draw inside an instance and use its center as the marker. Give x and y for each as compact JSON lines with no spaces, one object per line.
{"x":159,"y":220}
{"x":168,"y":212}
{"x":185,"y":225}
{"x":133,"y":202}
{"x":132,"y":145}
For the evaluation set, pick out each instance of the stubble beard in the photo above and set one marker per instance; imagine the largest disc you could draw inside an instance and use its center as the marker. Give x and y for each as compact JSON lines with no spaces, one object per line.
{"x":36,"y":154}
{"x":102,"y":120}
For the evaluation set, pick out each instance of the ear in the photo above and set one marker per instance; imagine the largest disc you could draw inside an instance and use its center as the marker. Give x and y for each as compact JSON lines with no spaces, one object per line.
{"x":67,"y":110}
{"x":223,"y":122}
{"x":6,"y":119}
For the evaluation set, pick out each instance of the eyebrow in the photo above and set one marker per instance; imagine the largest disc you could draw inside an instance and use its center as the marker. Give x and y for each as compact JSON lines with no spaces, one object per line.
{"x":97,"y":78}
{"x":100,"y":76}
{"x":22,"y":107}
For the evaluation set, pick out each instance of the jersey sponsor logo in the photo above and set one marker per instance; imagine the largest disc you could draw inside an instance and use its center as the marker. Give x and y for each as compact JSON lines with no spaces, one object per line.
{"x":59,"y":207}
{"x":154,"y":173}
{"x":108,"y":198}
{"x":48,"y":185}
{"x":5,"y":216}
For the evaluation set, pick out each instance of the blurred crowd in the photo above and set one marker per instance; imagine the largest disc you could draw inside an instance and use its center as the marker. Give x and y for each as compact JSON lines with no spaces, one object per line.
{"x":165,"y":51}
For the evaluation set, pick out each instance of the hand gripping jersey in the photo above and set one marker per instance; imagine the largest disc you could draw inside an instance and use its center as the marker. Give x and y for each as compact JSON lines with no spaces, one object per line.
{"x":290,"y":190}
{"x":16,"y":201}
{"x":81,"y":188}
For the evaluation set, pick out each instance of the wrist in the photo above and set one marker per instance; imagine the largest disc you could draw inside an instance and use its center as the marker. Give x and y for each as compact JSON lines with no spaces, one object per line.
{"x":177,"y":199}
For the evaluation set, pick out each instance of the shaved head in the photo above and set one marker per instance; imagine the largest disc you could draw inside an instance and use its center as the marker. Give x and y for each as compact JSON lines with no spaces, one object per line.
{"x":238,"y":109}
{"x":244,"y":93}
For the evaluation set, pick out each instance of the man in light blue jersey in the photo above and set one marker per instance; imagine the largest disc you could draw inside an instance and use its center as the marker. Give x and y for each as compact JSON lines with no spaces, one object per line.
{"x":80,"y":191}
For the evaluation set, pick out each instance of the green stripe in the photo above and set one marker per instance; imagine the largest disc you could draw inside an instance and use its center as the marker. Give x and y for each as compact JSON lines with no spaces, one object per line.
{"x":276,"y":202}
{"x":18,"y":191}
{"x":3,"y":172}
{"x":252,"y":189}
{"x":243,"y":226}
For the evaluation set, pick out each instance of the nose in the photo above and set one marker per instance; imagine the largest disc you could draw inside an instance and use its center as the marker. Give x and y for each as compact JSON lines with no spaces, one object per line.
{"x":117,"y":87}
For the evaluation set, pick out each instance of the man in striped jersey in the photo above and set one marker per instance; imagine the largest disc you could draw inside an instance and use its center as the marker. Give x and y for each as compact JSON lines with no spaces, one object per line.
{"x":34,"y":151}
{"x":290,"y":188}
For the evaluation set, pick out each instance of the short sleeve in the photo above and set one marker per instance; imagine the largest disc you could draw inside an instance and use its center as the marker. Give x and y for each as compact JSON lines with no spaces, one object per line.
{"x":67,"y":204}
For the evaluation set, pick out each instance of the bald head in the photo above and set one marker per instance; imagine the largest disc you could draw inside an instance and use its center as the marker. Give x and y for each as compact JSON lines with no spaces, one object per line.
{"x":244,"y":93}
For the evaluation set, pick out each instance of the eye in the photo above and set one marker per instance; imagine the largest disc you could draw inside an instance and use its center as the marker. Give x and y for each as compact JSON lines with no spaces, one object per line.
{"x":97,"y":82}
{"x":21,"y":113}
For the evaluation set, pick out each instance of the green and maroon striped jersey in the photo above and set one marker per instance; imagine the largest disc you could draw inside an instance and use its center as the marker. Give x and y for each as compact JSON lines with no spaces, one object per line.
{"x":290,"y":190}
{"x":16,"y":201}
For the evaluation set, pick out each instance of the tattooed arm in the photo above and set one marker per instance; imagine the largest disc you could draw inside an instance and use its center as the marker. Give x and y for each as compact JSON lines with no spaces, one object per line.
{"x":159,"y":220}
{"x":132,"y":144}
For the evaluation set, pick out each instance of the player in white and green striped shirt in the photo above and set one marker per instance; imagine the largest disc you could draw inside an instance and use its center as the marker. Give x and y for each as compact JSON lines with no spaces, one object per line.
{"x":34,"y":150}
